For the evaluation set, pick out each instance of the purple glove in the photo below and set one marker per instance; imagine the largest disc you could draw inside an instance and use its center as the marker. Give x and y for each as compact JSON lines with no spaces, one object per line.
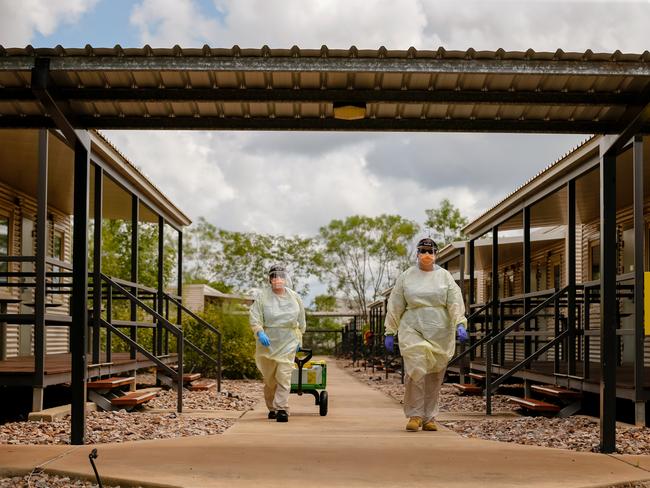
{"x":389,"y":342}
{"x":463,"y":336}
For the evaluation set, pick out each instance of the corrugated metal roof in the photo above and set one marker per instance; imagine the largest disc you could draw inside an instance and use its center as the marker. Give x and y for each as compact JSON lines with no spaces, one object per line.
{"x":513,"y":197}
{"x":263,"y":88}
{"x":137,"y":177}
{"x":324,"y":51}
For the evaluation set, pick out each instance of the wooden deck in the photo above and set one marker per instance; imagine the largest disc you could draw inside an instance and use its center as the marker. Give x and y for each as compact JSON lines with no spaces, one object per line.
{"x":543,"y":371}
{"x":58,"y":367}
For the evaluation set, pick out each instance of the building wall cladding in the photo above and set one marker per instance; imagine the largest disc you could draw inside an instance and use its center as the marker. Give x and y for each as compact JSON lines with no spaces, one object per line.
{"x":543,"y":262}
{"x":19,"y":206}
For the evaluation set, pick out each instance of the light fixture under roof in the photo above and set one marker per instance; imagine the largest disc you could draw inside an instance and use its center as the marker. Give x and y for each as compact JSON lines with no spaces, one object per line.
{"x":349,"y":111}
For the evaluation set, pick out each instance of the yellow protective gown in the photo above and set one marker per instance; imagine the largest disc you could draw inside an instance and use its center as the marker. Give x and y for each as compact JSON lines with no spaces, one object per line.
{"x":424,"y":309}
{"x":282,"y":318}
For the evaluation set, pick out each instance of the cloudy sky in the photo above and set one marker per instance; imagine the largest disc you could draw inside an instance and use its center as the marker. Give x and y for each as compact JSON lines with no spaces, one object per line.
{"x":296,"y":182}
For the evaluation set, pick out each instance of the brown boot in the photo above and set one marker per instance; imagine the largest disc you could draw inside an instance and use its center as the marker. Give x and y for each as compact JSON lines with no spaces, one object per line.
{"x":430,"y":425}
{"x":414,"y":424}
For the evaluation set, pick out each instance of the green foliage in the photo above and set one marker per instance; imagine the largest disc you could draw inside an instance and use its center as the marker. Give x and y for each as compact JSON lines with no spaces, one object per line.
{"x":446,"y":221}
{"x":116,"y":252}
{"x":116,"y":262}
{"x":238,"y":344}
{"x":325,"y":303}
{"x":364,"y":255}
{"x":240,"y":260}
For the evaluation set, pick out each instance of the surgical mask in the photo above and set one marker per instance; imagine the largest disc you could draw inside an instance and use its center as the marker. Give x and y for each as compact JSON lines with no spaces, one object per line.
{"x":277,"y":282}
{"x":426,"y":259}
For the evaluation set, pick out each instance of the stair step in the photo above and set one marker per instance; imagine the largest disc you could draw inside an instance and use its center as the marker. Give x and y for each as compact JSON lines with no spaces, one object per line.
{"x":556,"y":391}
{"x":134,"y":398}
{"x":535,"y":405}
{"x":467,"y":388}
{"x":202,"y":385}
{"x":110,"y":383}
{"x":477,"y":376}
{"x":188,"y":377}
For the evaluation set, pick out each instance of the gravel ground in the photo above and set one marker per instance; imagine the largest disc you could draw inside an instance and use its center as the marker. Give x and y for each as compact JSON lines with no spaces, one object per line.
{"x":43,"y":480}
{"x":117,"y":426}
{"x":122,"y":426}
{"x":235,"y":395}
{"x":577,"y":433}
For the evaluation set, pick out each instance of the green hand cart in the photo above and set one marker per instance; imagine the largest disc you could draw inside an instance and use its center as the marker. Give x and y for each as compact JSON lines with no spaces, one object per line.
{"x":309,"y":377}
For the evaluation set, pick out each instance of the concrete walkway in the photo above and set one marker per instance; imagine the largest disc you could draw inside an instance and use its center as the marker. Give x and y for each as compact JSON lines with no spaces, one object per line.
{"x":360,"y":443}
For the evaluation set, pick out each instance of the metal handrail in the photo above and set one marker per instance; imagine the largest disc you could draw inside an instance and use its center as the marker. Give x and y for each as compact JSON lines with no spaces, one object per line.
{"x":527,"y":316}
{"x":131,"y":284}
{"x":207,"y":325}
{"x":532,"y":294}
{"x":490,"y":385}
{"x":476,"y":344}
{"x":162,"y":321}
{"x":524,"y":362}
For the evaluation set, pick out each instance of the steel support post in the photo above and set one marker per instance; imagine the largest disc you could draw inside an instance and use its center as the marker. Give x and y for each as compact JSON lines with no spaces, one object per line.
{"x":135,"y":217}
{"x":571,"y":276}
{"x":79,"y":290}
{"x":40,"y":346}
{"x":526,"y":224}
{"x":97,"y":263}
{"x":608,"y":253}
{"x":495,"y":287}
{"x":160,"y":305}
{"x":179,"y":285}
{"x":639,"y":283}
{"x":471,"y":297}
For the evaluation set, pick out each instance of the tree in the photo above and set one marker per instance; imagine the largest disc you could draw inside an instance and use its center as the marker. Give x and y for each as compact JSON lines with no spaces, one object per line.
{"x":364,"y":255}
{"x":116,"y":252}
{"x":241,"y":259}
{"x":446,"y":221}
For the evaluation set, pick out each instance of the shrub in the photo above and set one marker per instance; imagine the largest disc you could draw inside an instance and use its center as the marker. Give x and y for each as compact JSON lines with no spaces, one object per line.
{"x":237,"y":343}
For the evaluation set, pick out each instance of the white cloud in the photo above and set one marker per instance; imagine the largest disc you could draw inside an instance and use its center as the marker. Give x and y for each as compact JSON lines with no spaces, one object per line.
{"x":513,"y":25}
{"x":216,"y":176}
{"x":336,"y":23}
{"x":163,"y":23}
{"x":182,"y":165}
{"x":19,"y":21}
{"x":541,"y":25}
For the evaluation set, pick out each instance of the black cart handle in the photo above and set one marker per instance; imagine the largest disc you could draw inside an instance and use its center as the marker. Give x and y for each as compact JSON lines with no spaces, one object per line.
{"x":301,"y":362}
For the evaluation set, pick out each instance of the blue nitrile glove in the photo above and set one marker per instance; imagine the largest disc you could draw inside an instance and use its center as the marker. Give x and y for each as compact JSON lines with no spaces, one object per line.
{"x":463,"y":336}
{"x":389,"y":342}
{"x":263,"y":338}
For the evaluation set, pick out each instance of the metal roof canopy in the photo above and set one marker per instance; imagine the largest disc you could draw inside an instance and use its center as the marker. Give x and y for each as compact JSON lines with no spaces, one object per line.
{"x":295,"y":89}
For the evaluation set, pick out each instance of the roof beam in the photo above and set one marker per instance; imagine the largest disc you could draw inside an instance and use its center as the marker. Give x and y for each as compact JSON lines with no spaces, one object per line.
{"x":40,"y":83}
{"x":640,"y":119}
{"x":327,"y":124}
{"x":279,"y":95}
{"x":429,"y":65}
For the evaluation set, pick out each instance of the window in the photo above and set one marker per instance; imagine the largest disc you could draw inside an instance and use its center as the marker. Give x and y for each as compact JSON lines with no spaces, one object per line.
{"x":56,"y":252}
{"x":57,"y":246}
{"x":594,"y":260}
{"x":4,"y":245}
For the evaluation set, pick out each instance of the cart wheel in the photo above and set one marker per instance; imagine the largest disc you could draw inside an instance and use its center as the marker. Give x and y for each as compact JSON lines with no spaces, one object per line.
{"x":323,"y":403}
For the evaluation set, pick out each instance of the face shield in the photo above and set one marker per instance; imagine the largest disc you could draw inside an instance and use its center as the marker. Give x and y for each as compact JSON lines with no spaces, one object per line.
{"x":426,"y":252}
{"x":279,"y":278}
